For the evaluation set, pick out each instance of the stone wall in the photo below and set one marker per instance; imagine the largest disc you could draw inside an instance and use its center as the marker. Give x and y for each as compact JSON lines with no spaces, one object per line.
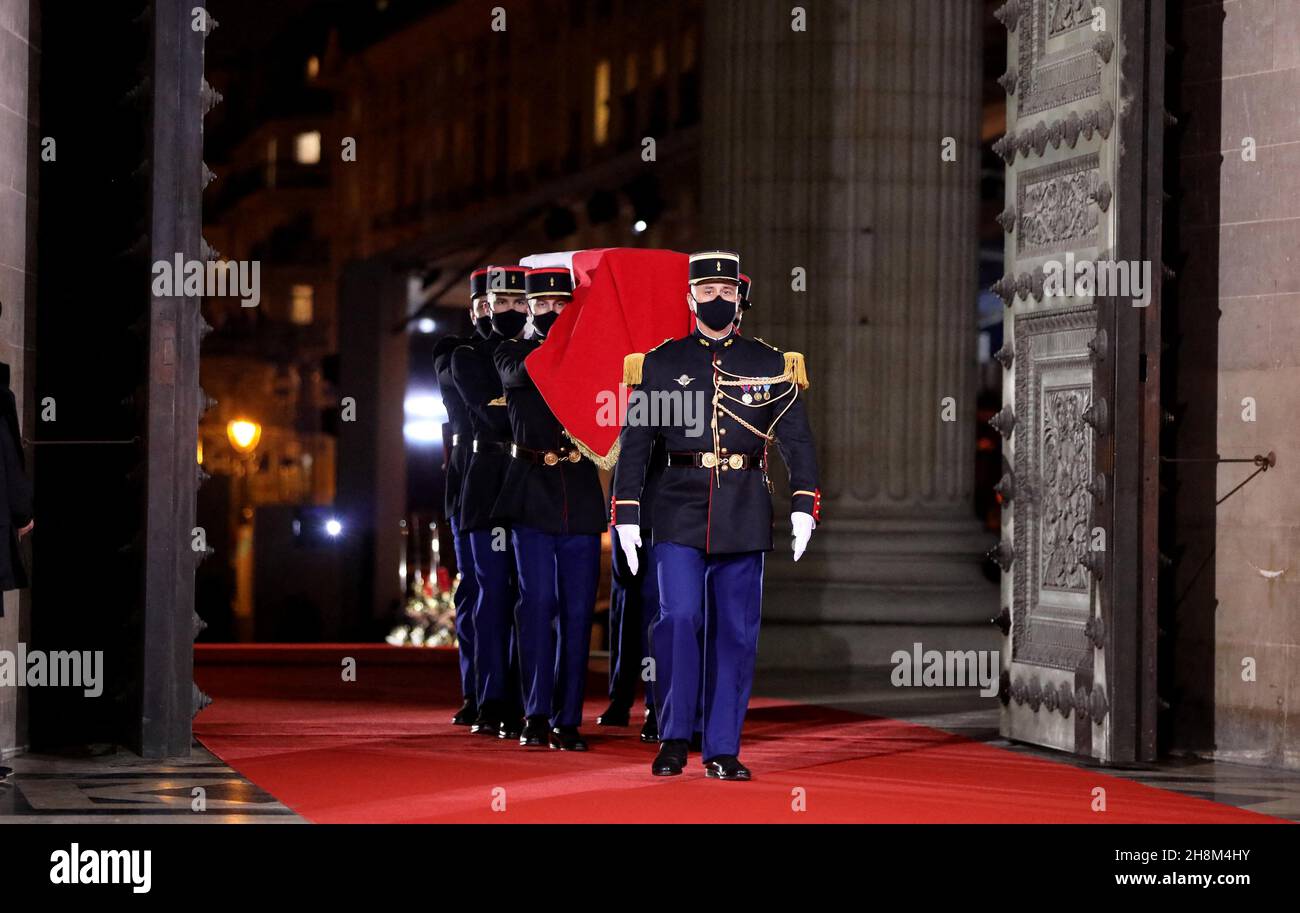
{"x":19,"y":65}
{"x":1239,"y":342}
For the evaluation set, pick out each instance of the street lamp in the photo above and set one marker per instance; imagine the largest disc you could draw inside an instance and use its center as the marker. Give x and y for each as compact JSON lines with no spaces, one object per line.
{"x":244,"y":435}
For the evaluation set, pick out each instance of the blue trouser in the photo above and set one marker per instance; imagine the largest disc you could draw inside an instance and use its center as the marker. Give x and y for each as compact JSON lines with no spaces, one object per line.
{"x":633,"y":604}
{"x":557,"y":599}
{"x":493,"y":618}
{"x":465,"y":600}
{"x":721,"y":597}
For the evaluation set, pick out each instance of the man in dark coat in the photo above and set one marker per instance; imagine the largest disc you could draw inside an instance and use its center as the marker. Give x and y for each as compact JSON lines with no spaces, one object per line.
{"x":459,"y":441}
{"x":476,"y":379}
{"x":552,"y":497}
{"x":712,"y":521}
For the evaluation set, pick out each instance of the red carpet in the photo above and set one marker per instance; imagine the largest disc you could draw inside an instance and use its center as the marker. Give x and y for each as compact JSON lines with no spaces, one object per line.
{"x":381,"y":749}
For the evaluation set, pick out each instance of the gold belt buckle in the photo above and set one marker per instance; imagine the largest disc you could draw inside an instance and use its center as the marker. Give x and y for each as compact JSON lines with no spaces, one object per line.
{"x":574,"y":456}
{"x":709,"y":460}
{"x":736,"y":461}
{"x":550,"y":458}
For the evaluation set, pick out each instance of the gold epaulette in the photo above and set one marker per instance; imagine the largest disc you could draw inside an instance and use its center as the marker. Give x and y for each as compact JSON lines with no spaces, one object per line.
{"x":795,"y":367}
{"x":632,"y":365}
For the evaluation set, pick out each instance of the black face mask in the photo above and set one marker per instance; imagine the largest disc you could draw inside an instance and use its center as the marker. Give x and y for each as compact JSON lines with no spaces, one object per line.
{"x":544,"y":322}
{"x":509,"y":323}
{"x":717,"y":314}
{"x":483,"y":326}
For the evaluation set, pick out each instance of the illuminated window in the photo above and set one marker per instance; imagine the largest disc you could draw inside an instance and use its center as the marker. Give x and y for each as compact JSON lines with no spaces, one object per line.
{"x":601,"y":122}
{"x":313,"y":67}
{"x":660,"y":60}
{"x":303,"y":298}
{"x":306,"y":148}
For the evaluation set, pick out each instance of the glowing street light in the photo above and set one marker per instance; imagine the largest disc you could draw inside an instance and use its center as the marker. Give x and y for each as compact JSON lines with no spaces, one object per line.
{"x":244,"y":435}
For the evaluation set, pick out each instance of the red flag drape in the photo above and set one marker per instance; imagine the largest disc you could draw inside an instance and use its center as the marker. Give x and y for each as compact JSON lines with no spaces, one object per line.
{"x":626,"y":300}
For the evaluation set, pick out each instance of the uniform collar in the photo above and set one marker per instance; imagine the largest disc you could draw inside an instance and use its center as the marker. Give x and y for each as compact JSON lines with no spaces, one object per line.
{"x":712,"y":343}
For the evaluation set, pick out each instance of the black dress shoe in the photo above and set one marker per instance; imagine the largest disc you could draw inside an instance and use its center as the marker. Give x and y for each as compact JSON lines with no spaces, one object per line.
{"x":466,"y":715}
{"x":536,"y":732}
{"x":650,"y":731}
{"x":510,"y":728}
{"x":567,"y":738}
{"x":614,"y":715}
{"x":485,"y":725}
{"x":726,"y":767}
{"x":671,"y":758}
{"x":697,"y":742}
{"x":5,"y":773}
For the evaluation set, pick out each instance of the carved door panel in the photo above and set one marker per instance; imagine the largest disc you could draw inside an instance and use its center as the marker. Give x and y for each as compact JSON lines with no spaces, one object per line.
{"x":1084,"y":132}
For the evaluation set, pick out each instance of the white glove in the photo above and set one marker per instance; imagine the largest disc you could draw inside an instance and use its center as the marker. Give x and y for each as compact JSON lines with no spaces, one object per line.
{"x":803,"y":525}
{"x":629,"y":539}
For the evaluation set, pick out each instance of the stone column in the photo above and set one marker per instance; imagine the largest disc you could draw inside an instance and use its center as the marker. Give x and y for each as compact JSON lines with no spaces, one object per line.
{"x":18,"y":49}
{"x":822,"y":151}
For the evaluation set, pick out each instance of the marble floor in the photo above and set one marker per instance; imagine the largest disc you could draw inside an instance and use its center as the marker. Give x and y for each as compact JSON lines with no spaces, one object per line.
{"x":102,"y":784}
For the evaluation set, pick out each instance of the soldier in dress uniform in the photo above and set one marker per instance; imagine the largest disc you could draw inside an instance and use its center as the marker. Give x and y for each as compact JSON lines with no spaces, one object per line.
{"x":634,"y":602}
{"x":553,"y":500}
{"x":712,"y":521}
{"x":458,"y":439}
{"x":476,"y":379}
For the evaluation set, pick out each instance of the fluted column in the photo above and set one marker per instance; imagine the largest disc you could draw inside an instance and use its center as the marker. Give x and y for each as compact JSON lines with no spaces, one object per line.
{"x":822,"y":151}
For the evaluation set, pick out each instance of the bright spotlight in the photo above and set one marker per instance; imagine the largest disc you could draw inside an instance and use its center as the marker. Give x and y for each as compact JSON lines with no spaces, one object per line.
{"x":425,"y":405}
{"x":422,"y":431}
{"x":333,"y":527}
{"x":640,"y":226}
{"x":426,"y":325}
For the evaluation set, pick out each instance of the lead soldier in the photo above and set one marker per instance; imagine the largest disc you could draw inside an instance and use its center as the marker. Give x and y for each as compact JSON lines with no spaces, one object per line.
{"x":712,"y":521}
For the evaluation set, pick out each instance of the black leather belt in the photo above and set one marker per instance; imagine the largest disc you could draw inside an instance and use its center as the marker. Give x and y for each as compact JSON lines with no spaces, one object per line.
{"x":708,"y":460}
{"x":545,"y":457}
{"x":491,"y":446}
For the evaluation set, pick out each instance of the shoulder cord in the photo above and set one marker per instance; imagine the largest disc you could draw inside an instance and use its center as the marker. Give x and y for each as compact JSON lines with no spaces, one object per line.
{"x":768,"y":437}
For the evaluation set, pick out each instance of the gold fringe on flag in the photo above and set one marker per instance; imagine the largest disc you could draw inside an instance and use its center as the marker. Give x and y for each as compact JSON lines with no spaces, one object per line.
{"x":632,"y":368}
{"x":605,"y":462}
{"x":499,"y":401}
{"x":795,"y":368}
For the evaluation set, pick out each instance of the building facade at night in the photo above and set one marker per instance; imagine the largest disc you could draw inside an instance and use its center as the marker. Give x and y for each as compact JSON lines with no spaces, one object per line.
{"x":368,"y":156}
